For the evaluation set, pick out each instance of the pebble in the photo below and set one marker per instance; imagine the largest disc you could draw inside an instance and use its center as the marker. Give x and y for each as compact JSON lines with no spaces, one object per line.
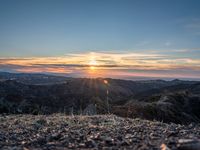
{"x":90,"y":143}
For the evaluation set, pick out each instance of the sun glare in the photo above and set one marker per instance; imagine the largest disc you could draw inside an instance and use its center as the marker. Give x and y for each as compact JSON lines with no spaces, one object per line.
{"x":92,"y":67}
{"x":92,"y":63}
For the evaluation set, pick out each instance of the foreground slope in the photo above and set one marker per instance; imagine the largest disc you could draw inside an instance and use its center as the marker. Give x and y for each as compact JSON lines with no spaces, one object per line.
{"x":88,"y":132}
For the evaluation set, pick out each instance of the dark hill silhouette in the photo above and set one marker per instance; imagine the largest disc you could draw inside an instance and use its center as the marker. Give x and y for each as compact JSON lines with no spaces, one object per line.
{"x":170,"y":101}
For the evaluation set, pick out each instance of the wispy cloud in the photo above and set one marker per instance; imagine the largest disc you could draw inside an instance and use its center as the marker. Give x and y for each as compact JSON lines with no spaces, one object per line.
{"x":193,"y":26}
{"x":106,"y":64}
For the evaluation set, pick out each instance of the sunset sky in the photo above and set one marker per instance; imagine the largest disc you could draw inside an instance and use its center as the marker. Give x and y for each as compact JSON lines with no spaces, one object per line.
{"x":125,"y":39}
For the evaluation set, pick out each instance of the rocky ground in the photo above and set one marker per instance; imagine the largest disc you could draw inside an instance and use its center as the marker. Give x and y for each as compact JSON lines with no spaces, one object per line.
{"x":94,"y":132}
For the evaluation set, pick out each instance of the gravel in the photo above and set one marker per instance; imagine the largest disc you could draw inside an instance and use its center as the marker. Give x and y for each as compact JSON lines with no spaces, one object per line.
{"x":58,"y":131}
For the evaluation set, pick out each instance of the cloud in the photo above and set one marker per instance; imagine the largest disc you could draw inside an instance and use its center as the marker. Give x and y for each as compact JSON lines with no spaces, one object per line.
{"x":193,"y":26}
{"x":107,"y":64}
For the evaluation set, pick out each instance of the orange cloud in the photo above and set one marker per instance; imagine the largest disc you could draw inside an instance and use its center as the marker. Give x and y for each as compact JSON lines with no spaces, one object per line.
{"x":95,"y":64}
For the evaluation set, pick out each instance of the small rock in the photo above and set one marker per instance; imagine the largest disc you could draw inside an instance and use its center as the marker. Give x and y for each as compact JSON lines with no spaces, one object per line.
{"x":172,"y":133}
{"x":56,"y":136}
{"x":183,"y":141}
{"x":90,"y":143}
{"x":127,"y":136}
{"x":109,"y":141}
{"x":40,"y":141}
{"x":23,"y":142}
{"x":125,"y":143}
{"x":81,"y":145}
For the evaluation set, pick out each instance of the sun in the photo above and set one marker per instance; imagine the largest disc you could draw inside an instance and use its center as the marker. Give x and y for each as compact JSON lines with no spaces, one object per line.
{"x":92,"y":68}
{"x":93,"y":63}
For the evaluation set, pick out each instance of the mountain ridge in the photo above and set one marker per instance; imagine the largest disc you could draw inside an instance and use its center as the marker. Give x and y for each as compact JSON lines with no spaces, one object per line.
{"x":37,"y":94}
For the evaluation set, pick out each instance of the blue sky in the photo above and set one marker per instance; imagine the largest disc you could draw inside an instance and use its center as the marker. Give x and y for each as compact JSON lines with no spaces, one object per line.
{"x":56,"y":28}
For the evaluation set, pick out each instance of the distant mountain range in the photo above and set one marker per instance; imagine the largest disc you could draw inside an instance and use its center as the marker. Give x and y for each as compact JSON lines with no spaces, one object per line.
{"x":169,"y":101}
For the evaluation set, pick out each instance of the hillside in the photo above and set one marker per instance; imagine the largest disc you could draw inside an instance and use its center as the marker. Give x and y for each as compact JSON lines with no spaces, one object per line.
{"x":94,"y":132}
{"x":169,"y":101}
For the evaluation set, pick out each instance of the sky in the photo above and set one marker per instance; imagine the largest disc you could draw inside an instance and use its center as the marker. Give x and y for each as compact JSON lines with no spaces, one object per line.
{"x":126,"y":39}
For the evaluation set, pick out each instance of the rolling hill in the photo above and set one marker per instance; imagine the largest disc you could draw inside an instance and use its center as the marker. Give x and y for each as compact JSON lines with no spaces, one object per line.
{"x":169,"y":101}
